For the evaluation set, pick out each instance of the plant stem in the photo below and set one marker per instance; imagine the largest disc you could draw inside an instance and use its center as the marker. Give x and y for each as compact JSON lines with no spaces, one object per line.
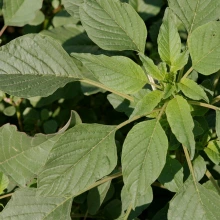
{"x":151,"y":82}
{"x":18,"y":114}
{"x":99,"y":85}
{"x":216,"y":99}
{"x":86,"y":215}
{"x":204,"y":105}
{"x":216,"y":80}
{"x":5,"y":196}
{"x":188,"y":72}
{"x":214,"y":182}
{"x":162,"y":111}
{"x":3,"y":30}
{"x":128,"y":212}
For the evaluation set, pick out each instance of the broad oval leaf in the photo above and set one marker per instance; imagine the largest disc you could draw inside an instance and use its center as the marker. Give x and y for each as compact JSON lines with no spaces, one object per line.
{"x":181,"y":122}
{"x":20,"y":12}
{"x":35,"y":65}
{"x":113,"y":25}
{"x":35,"y":207}
{"x":192,"y":90}
{"x":204,"y":47}
{"x":195,"y":203}
{"x":117,"y":72}
{"x":194,"y":13}
{"x":147,"y":103}
{"x":81,"y":156}
{"x":143,"y":157}
{"x":22,"y":156}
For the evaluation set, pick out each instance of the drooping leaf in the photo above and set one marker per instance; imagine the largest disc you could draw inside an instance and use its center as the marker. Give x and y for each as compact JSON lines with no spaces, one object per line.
{"x":81,"y":156}
{"x":35,"y":207}
{"x":193,"y":13}
{"x":113,"y":25}
{"x":22,"y":156}
{"x":172,"y":175}
{"x":199,"y":167}
{"x":150,"y":67}
{"x":20,"y":12}
{"x":213,"y":151}
{"x":117,"y":72}
{"x":143,"y":157}
{"x":96,"y":196}
{"x":147,"y":103}
{"x":72,"y":6}
{"x":35,"y":65}
{"x":204,"y":47}
{"x":4,"y":181}
{"x":169,"y":43}
{"x":192,"y":90}
{"x":217,"y":124}
{"x":195,"y":202}
{"x":181,"y":122}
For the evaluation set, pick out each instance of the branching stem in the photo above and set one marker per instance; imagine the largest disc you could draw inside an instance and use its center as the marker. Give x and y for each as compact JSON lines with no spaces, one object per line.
{"x":128,"y":212}
{"x":215,"y":184}
{"x":188,"y":72}
{"x":204,"y":105}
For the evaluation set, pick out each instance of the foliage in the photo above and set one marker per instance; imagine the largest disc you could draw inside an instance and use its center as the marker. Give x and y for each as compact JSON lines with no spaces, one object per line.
{"x":116,"y":105}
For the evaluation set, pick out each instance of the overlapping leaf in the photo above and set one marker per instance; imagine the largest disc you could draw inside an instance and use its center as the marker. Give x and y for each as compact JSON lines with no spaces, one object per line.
{"x":26,"y":205}
{"x":22,"y":156}
{"x":117,"y":72}
{"x":20,"y":12}
{"x":194,"y":13}
{"x":213,"y":151}
{"x":204,"y":47}
{"x":143,"y":157}
{"x":72,"y":6}
{"x":113,"y":25}
{"x":181,"y":122}
{"x":81,"y":156}
{"x":35,"y":65}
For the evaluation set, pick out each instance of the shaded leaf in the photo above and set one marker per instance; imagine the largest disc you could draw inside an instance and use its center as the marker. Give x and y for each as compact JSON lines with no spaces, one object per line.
{"x":113,"y":25}
{"x":4,"y":181}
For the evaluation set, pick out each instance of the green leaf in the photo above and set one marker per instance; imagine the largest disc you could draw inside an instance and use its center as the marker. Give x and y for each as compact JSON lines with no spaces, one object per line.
{"x":193,"y":13}
{"x":20,"y":12}
{"x":81,"y":156}
{"x":181,"y":122}
{"x":143,"y":157}
{"x":117,"y":72}
{"x":4,"y":181}
{"x":38,"y":19}
{"x":72,"y":7}
{"x":147,"y":8}
{"x":147,"y":103}
{"x":9,"y":111}
{"x":195,"y":203}
{"x":113,"y":25}
{"x":34,"y":207}
{"x":172,"y":175}
{"x":150,"y":67}
{"x":169,"y":43}
{"x":96,"y":197}
{"x":213,"y":151}
{"x":22,"y":156}
{"x":217,"y":126}
{"x":204,"y":47}
{"x":35,"y":65}
{"x":192,"y":90}
{"x":199,"y":167}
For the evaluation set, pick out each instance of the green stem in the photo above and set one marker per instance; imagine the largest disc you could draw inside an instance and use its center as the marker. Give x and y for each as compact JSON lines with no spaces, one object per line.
{"x":5,"y":196}
{"x":215,"y":184}
{"x":216,"y":99}
{"x":99,"y":85}
{"x":188,"y":72}
{"x":216,"y":80}
{"x":204,"y":105}
{"x":128,"y":212}
{"x":86,"y":215}
{"x":162,"y":111}
{"x":3,"y":30}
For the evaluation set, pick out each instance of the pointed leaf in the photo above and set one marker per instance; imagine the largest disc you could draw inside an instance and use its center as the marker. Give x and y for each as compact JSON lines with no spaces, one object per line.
{"x":143,"y":157}
{"x":117,"y":72}
{"x":213,"y":151}
{"x":204,"y":47}
{"x":4,"y":181}
{"x":72,"y":6}
{"x":22,"y":156}
{"x":181,"y":122}
{"x":150,"y":67}
{"x":217,"y":126}
{"x":81,"y":156}
{"x":113,"y":25}
{"x":34,"y":207}
{"x":169,"y":43}
{"x":147,"y":103}
{"x":193,"y":13}
{"x":20,"y":12}
{"x":192,"y":90}
{"x":35,"y":65}
{"x":195,"y":203}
